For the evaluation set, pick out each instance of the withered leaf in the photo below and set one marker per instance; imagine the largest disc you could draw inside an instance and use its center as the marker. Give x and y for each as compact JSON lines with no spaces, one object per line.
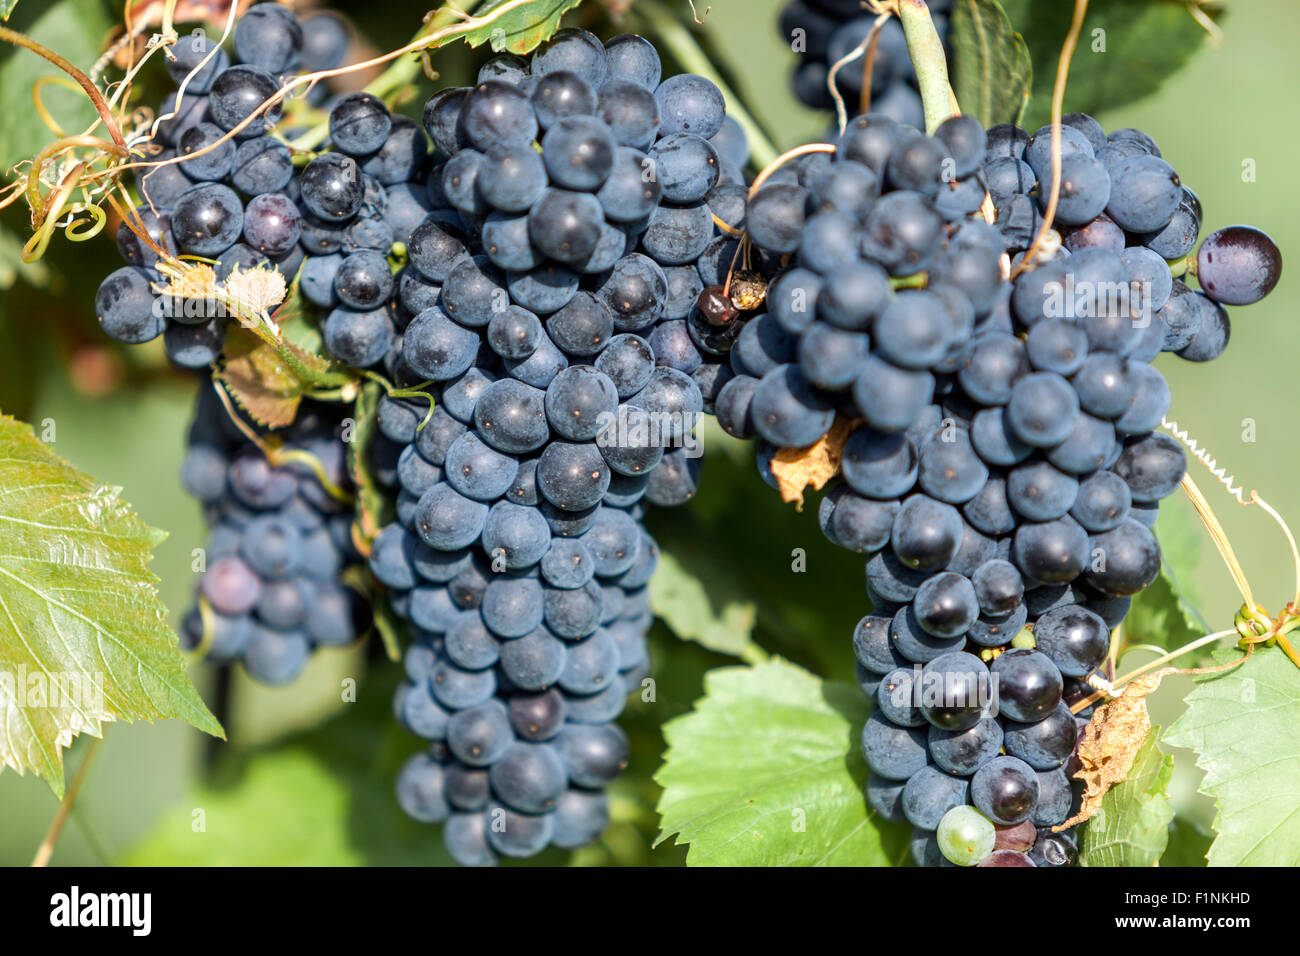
{"x":261,"y":381}
{"x":798,"y":468}
{"x":1111,"y":742}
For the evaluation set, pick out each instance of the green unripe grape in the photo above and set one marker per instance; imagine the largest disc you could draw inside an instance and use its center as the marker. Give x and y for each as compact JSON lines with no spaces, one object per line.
{"x":1025,"y":639}
{"x":965,"y":836}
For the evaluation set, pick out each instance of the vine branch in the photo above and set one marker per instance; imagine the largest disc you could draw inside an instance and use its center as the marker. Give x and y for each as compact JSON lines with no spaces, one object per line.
{"x":46,"y":849}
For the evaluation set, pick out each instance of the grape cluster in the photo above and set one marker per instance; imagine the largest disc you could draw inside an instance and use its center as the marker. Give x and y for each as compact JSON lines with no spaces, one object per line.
{"x":567,"y":228}
{"x":279,"y":543}
{"x":1003,"y":470}
{"x":236,"y":203}
{"x":823,"y":32}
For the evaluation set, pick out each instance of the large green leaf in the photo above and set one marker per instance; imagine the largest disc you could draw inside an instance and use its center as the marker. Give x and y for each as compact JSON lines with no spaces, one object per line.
{"x":766,"y":772}
{"x":1132,"y":826}
{"x":991,"y":68}
{"x":1243,"y":726}
{"x":83,"y":636}
{"x":683,"y":603}
{"x":1145,"y":42}
{"x":522,"y":29}
{"x":75,"y":29}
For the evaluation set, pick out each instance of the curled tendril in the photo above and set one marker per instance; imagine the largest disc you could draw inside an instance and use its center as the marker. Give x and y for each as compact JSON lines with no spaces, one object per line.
{"x":415,"y":391}
{"x":79,"y":230}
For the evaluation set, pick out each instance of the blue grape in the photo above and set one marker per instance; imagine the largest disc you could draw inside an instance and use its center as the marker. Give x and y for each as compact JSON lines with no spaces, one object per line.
{"x":1238,"y":265}
{"x":236,"y":93}
{"x":332,"y":189}
{"x":268,"y":36}
{"x":962,"y":752}
{"x":496,"y":112}
{"x":359,"y":124}
{"x":1145,"y":193}
{"x":480,"y":735}
{"x":213,"y":161}
{"x":690,"y":104}
{"x":892,"y":752}
{"x":446,"y":520}
{"x":124,"y":306}
{"x":678,"y":234}
{"x":360,"y":339}
{"x":929,"y":794}
{"x":1005,"y":790}
{"x":1046,"y":743}
{"x":633,"y":58}
{"x":274,"y":657}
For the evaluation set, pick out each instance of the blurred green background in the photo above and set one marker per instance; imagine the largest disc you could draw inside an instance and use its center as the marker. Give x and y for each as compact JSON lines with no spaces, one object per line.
{"x":306,"y":775}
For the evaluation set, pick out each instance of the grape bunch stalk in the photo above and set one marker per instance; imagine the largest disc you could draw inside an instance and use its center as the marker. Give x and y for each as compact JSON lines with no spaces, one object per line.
{"x":1002,"y":467}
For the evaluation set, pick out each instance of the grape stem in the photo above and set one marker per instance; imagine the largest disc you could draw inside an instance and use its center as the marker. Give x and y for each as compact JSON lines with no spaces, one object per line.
{"x":1058,"y":101}
{"x":1184,"y":266}
{"x":926,"y":52}
{"x":1116,"y":688}
{"x":867,"y":47}
{"x":678,"y":40}
{"x":778,"y":161}
{"x":46,"y":849}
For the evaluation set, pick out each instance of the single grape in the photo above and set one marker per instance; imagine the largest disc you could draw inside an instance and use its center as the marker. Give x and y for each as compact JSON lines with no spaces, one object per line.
{"x":965,"y":836}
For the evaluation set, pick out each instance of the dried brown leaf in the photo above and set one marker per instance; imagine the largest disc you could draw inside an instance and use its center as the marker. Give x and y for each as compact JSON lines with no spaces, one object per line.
{"x":1111,"y":741}
{"x":798,"y":468}
{"x":261,"y":381}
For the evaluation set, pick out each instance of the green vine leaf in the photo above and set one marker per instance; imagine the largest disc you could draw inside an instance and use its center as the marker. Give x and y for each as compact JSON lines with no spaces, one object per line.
{"x":7,"y":8}
{"x":84,"y":639}
{"x":766,"y":772}
{"x":1132,"y":826}
{"x":520,"y":31}
{"x":991,"y":67}
{"x":1242,"y":725}
{"x":1127,"y":49}
{"x":679,"y":599}
{"x":373,"y":507}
